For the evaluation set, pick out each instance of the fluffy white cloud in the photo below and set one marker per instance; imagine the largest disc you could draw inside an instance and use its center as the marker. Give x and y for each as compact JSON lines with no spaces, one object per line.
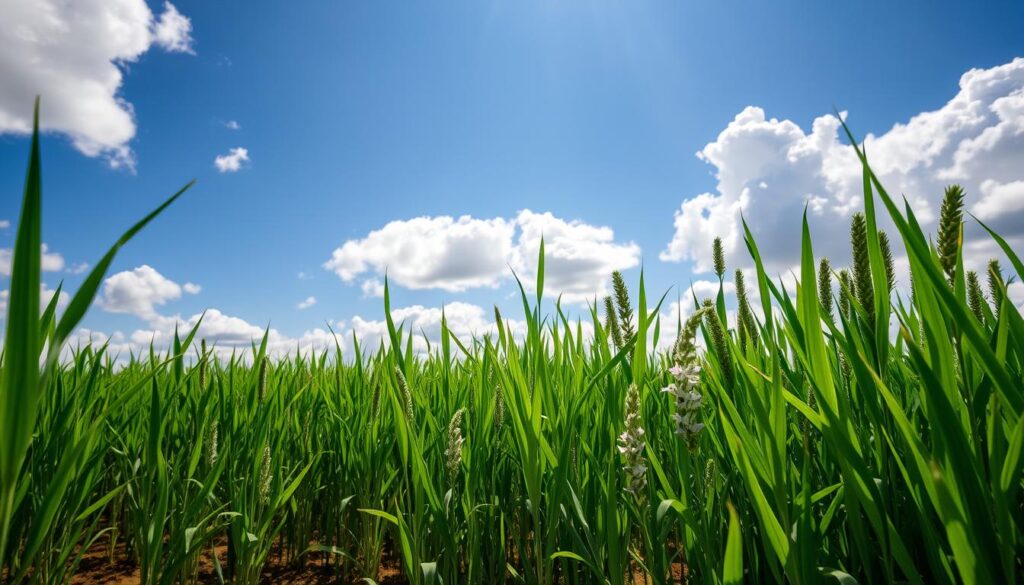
{"x":45,"y":296}
{"x":232,"y":161}
{"x":465,"y":320}
{"x":307,"y":303}
{"x":430,"y":252}
{"x":226,"y":334}
{"x":192,"y":288}
{"x":51,"y":261}
{"x":578,"y":257}
{"x":769,"y":169}
{"x":4,"y":224}
{"x":372,"y":287}
{"x":999,"y":199}
{"x":140,"y":291}
{"x":173,"y":31}
{"x":72,"y":53}
{"x":232,"y":125}
{"x":458,"y":254}
{"x":703,"y":289}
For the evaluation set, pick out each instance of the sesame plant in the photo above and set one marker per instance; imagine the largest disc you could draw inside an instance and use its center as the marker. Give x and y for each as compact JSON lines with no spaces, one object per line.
{"x":843,"y":429}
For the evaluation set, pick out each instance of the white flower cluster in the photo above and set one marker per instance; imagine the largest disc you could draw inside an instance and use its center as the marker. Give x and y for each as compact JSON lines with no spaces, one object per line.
{"x":631,"y":444}
{"x":453,"y":453}
{"x":688,"y":401}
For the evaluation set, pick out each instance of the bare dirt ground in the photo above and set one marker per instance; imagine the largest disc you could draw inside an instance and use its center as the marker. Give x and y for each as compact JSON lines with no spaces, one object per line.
{"x":96,"y":569}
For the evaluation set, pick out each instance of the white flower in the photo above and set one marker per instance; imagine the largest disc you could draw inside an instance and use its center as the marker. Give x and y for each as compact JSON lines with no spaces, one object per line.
{"x":631,"y":444}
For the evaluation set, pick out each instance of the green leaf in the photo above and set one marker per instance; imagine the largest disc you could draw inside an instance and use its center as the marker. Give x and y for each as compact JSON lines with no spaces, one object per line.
{"x":732,"y":570}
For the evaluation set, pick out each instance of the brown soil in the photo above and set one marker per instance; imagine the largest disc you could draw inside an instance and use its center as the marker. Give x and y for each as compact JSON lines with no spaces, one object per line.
{"x":96,"y":569}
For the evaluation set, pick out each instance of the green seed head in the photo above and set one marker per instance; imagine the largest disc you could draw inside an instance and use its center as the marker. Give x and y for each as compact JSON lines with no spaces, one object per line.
{"x":951,"y":216}
{"x":825,"y":288}
{"x":611,"y":322}
{"x":718,"y":257}
{"x":718,"y":340}
{"x":625,"y":308}
{"x":846,"y":290}
{"x":266,"y":475}
{"x":996,"y":286}
{"x":745,"y":317}
{"x":862,"y":265}
{"x":403,"y":387}
{"x":262,"y":387}
{"x":685,"y":351}
{"x":202,"y":366}
{"x":975,"y":297}
{"x":890,"y":269}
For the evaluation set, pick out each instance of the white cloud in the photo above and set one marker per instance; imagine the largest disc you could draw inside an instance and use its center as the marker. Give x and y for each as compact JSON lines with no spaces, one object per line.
{"x":226,"y":334}
{"x":73,"y":54}
{"x":430,"y":252}
{"x":173,"y":31}
{"x":192,"y":288}
{"x":373,"y":287}
{"x":703,"y":289}
{"x":138,"y":292}
{"x":307,"y":303}
{"x":45,"y":296}
{"x":769,"y":169}
{"x":458,"y":254}
{"x":51,"y":261}
{"x":79,"y":268}
{"x":4,"y":224}
{"x":464,"y":320}
{"x":231,"y":162}
{"x":232,"y":125}
{"x":999,"y":199}
{"x":578,"y":257}
{"x":1015,"y":290}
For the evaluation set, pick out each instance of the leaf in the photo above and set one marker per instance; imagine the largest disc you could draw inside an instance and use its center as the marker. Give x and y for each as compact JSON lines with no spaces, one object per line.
{"x":732,"y":570}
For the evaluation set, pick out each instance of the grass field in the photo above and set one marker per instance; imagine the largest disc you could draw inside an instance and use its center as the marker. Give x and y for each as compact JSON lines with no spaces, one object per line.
{"x":838,"y":432}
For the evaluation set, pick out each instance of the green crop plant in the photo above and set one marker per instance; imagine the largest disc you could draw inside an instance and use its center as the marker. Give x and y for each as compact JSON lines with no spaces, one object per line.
{"x":834,"y":430}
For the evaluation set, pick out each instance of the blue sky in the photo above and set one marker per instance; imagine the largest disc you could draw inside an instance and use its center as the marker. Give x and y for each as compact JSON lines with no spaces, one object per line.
{"x":354,"y":115}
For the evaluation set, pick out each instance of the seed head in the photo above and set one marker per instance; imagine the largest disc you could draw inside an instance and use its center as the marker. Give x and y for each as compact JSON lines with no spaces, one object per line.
{"x":745,"y":322}
{"x":845,"y":293}
{"x":266,"y":475}
{"x":631,"y":444}
{"x":996,"y":286}
{"x":685,"y":387}
{"x":718,"y":257}
{"x":453,"y":453}
{"x":890,"y":268}
{"x":624,"y":306}
{"x":974,"y":295}
{"x":202,"y":366}
{"x":375,"y":404}
{"x":862,"y":265}
{"x":951,"y":216}
{"x":499,"y":408}
{"x":211,"y":443}
{"x":825,"y":288}
{"x":718,"y":339}
{"x":262,"y":387}
{"x":403,"y":387}
{"x":611,"y":323}
{"x":709,"y":473}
